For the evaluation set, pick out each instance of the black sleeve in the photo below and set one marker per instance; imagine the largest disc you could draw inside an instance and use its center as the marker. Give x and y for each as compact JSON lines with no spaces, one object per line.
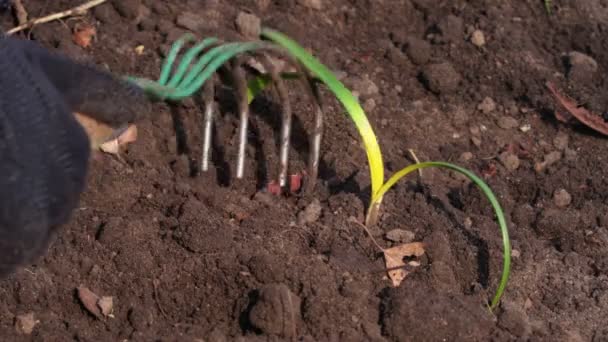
{"x":44,"y":156}
{"x":86,"y":88}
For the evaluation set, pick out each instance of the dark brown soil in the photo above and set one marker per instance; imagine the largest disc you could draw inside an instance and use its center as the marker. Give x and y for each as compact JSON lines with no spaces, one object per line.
{"x":193,"y":258}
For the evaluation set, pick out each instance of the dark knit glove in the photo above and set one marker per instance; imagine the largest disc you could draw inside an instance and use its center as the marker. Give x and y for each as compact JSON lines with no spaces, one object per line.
{"x":44,"y":151}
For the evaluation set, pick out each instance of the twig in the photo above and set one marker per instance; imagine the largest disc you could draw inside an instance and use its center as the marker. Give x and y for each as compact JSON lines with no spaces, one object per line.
{"x":55,"y":16}
{"x":20,"y":12}
{"x":368,"y":233}
{"x":413,"y":154}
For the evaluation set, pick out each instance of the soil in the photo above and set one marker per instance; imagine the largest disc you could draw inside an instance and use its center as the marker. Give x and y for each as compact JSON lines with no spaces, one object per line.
{"x":193,"y":256}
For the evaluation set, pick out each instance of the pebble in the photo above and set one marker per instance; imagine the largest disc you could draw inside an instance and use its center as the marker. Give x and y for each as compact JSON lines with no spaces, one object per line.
{"x":466,"y":156}
{"x":418,"y":50}
{"x":550,"y":159}
{"x":314,"y":4}
{"x":509,"y":160}
{"x":561,"y":141}
{"x":478,"y":38}
{"x":400,"y":235}
{"x":129,"y":9}
{"x":515,"y":253}
{"x":25,"y":323}
{"x":249,"y":25}
{"x":365,"y":87}
{"x":441,"y":78}
{"x":507,"y":122}
{"x":189,"y":21}
{"x":487,"y":105}
{"x":369,"y":105}
{"x":562,"y":198}
{"x":581,"y":67}
{"x":311,"y":213}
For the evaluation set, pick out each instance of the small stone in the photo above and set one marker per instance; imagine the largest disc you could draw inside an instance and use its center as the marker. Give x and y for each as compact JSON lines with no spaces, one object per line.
{"x":478,"y":38}
{"x":25,"y":324}
{"x":561,"y":141}
{"x":550,"y":159}
{"x":418,"y":50}
{"x":314,"y":4}
{"x":515,"y":253}
{"x":525,"y":128}
{"x":487,"y":105}
{"x":400,"y":235}
{"x":441,"y":78}
{"x":466,"y":156}
{"x":190,"y":21}
{"x":562,"y":198}
{"x":311,"y":213}
{"x":365,"y":87}
{"x":507,"y":122}
{"x":476,"y":141}
{"x":249,"y":25}
{"x":509,"y":160}
{"x":369,"y":105}
{"x":129,"y":9}
{"x":581,"y":67}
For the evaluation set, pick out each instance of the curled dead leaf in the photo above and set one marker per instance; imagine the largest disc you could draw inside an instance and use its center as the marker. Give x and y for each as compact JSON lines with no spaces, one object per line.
{"x":394,"y":260}
{"x":98,"y":306}
{"x":89,"y":300}
{"x":593,"y":121}
{"x":83,"y":35}
{"x":127,"y":136}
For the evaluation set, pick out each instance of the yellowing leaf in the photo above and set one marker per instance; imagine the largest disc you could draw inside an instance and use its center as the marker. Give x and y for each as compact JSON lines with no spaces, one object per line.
{"x":394,"y":260}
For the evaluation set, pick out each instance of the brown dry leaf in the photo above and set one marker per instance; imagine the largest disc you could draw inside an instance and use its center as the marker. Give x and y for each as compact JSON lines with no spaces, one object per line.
{"x":98,"y":132}
{"x":89,"y":300}
{"x":394,"y":260}
{"x":127,"y":136}
{"x":83,"y":35}
{"x":106,"y":305}
{"x":591,"y":120}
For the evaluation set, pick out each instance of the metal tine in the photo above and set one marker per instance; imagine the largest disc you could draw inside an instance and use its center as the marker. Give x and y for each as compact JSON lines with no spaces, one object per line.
{"x":240,"y":80}
{"x":317,"y":133}
{"x":286,"y":118}
{"x":209,"y":102}
{"x":316,"y":136}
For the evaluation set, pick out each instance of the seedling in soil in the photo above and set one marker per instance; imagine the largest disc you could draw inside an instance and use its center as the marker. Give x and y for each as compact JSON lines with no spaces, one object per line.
{"x":179,"y":87}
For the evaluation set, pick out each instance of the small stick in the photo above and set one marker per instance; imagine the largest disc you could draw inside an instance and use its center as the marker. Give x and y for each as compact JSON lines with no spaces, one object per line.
{"x":55,"y":16}
{"x":287,"y":118}
{"x":208,"y":98}
{"x":352,"y":219}
{"x":243,"y":103}
{"x":413,"y":154}
{"x":20,"y":12}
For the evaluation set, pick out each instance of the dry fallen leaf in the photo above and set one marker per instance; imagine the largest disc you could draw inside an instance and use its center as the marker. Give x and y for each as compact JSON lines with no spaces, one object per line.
{"x":139,"y":49}
{"x":129,"y":135}
{"x":83,"y":35}
{"x":98,"y":306}
{"x":394,"y":260}
{"x":89,"y":300}
{"x":25,"y":324}
{"x":98,"y":132}
{"x":589,"y":119}
{"x":106,"y":305}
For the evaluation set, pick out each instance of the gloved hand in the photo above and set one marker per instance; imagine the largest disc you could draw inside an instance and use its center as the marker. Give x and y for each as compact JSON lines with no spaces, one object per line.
{"x":44,"y":151}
